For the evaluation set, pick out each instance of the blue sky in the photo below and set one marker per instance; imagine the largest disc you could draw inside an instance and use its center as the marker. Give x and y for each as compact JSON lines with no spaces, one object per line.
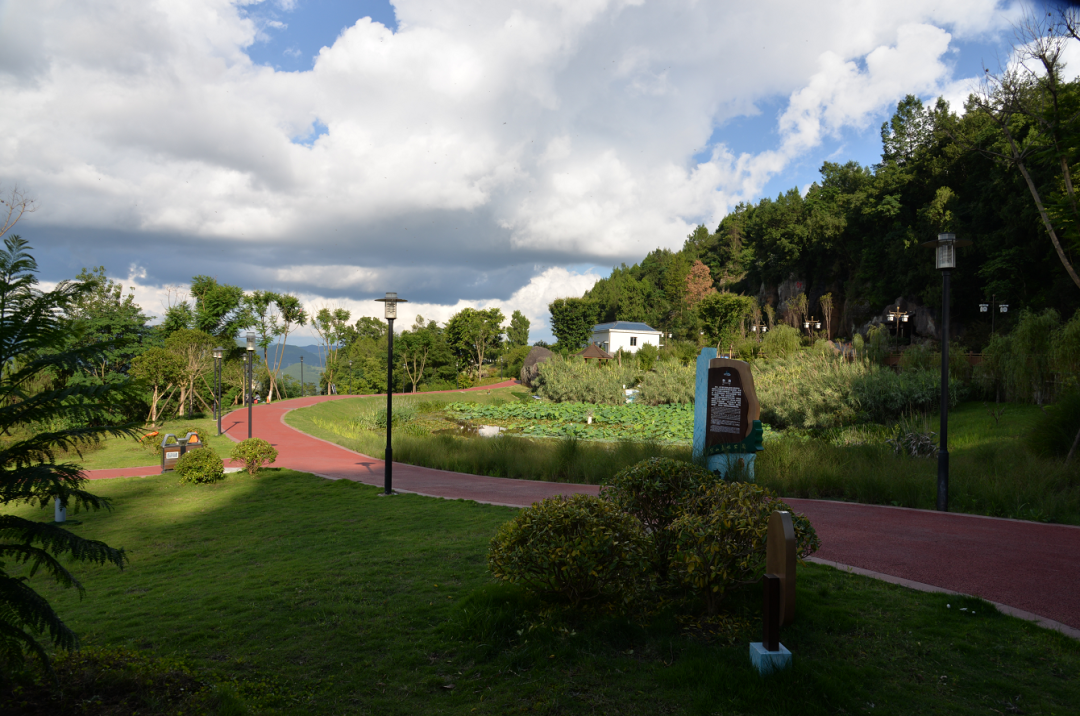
{"x":460,"y":152}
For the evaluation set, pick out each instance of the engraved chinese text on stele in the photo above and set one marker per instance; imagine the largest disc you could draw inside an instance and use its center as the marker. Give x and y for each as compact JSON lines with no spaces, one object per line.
{"x":728,"y":412}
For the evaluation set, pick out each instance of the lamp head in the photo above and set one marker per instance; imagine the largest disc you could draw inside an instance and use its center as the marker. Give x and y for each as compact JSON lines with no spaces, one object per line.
{"x":946,"y":246}
{"x":218,"y":352}
{"x":984,"y":307}
{"x":390,"y":304}
{"x":250,"y":341}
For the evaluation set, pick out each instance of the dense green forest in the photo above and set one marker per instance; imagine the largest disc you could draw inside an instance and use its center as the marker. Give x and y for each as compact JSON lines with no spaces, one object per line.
{"x":854,"y":237}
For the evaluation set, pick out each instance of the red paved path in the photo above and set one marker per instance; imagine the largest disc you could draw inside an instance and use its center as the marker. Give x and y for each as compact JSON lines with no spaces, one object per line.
{"x":1025,"y":565}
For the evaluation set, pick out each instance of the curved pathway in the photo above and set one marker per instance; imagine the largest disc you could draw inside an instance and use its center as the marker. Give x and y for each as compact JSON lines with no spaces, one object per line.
{"x":1028,"y":569}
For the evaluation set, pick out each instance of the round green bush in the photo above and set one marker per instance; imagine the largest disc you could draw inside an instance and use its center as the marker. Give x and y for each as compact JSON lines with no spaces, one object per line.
{"x":200,"y":465}
{"x":720,"y":538}
{"x":581,"y":551}
{"x":654,"y":491}
{"x":1054,"y":433}
{"x":255,"y":453}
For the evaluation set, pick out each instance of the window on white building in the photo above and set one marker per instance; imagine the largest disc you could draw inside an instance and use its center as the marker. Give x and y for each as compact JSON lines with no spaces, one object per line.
{"x":633,"y":340}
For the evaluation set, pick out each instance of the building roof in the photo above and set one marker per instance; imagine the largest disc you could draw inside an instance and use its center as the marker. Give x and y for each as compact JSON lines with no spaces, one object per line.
{"x":624,"y":326}
{"x":594,"y":351}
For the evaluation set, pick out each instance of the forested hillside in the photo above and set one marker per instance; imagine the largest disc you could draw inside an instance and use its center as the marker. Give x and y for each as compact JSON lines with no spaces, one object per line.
{"x":855,"y":236}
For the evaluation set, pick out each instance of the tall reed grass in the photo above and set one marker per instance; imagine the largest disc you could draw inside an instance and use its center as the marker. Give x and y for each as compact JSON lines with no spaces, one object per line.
{"x":999,"y":479}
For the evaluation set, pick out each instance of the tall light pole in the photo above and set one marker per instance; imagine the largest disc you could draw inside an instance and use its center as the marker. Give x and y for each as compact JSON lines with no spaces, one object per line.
{"x":218,"y":353}
{"x":250,"y":375}
{"x":390,"y":305}
{"x":811,"y":325}
{"x":301,"y":376}
{"x":945,"y":261}
{"x":1002,"y":307}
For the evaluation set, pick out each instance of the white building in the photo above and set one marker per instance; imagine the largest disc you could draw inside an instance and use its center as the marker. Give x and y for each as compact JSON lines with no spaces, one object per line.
{"x":627,"y":335}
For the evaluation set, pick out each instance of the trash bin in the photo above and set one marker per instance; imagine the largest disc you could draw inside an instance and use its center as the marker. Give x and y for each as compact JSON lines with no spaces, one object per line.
{"x":191,"y":441}
{"x":170,"y":452}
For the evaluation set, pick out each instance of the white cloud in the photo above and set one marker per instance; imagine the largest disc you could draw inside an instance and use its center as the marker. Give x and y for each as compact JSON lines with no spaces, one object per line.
{"x":478,"y":137}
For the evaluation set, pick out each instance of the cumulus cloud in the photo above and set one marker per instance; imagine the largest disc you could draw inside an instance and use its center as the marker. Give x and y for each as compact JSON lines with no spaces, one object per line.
{"x":453,"y":156}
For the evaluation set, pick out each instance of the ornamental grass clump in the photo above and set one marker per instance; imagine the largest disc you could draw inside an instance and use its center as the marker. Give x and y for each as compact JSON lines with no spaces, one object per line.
{"x":255,"y":453}
{"x":719,"y":540}
{"x":580,"y":551}
{"x":200,"y":466}
{"x":655,"y":492}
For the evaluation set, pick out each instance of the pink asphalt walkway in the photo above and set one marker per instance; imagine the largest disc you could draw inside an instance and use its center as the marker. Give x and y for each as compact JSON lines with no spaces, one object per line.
{"x":1027,"y":566}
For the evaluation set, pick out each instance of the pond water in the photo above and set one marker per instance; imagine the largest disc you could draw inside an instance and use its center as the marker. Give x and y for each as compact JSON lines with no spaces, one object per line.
{"x":469,"y":430}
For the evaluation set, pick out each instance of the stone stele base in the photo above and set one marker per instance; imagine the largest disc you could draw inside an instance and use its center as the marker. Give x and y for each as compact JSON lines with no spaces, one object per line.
{"x":769,"y":661}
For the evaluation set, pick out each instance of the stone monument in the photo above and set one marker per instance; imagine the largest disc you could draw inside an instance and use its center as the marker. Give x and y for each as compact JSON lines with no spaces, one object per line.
{"x":727,"y":429}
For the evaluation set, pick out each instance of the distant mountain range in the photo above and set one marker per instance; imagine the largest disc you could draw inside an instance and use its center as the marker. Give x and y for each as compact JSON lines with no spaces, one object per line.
{"x":292,"y":355}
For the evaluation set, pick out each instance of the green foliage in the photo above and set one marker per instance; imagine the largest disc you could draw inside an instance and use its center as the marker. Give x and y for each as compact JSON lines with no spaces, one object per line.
{"x":827,"y":392}
{"x":634,"y":421}
{"x":581,"y":381}
{"x":646,"y":357}
{"x":514,"y":361}
{"x":1054,"y":434}
{"x":255,"y":453}
{"x":655,"y":491}
{"x":781,"y":341}
{"x":719,"y":541}
{"x":200,"y":466}
{"x":572,"y":321}
{"x":723,"y":315}
{"x":473,"y":334}
{"x":1036,"y":360}
{"x":219,"y":309}
{"x":517,"y":335}
{"x":671,"y":382}
{"x":581,"y":551}
{"x":34,"y":342}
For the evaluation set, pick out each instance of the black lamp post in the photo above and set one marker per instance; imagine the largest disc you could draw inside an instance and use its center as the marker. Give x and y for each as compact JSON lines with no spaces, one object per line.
{"x":250,"y":375}
{"x":390,"y":304}
{"x":218,"y":353}
{"x":1002,"y":308}
{"x":945,"y":261}
{"x":301,"y":376}
{"x":811,"y":325}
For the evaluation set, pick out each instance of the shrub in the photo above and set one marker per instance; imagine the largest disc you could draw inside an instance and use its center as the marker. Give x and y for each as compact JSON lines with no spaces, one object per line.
{"x":255,"y":453}
{"x":671,"y":382}
{"x":781,"y":341}
{"x":578,"y":381}
{"x":720,"y":539}
{"x":1055,"y":431}
{"x":654,"y":491}
{"x":581,"y":551}
{"x":200,"y":465}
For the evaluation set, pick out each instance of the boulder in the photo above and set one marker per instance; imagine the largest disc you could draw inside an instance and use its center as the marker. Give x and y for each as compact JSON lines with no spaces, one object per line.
{"x":531,"y":369}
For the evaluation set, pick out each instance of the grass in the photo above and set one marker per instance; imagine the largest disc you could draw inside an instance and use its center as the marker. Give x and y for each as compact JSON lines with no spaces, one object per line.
{"x":322,"y":598}
{"x":991,"y":471}
{"x":127,"y":452}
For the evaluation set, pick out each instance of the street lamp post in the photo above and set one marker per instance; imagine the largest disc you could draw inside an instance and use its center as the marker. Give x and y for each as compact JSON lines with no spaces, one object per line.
{"x":1002,"y":308}
{"x":301,"y":376}
{"x":896,"y":318}
{"x":945,"y":261}
{"x":811,"y":325}
{"x":759,"y":329}
{"x":390,"y":305}
{"x":250,"y":375}
{"x":218,"y":353}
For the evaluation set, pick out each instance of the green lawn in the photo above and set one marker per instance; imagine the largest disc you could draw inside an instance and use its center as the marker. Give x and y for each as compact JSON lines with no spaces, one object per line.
{"x":327,"y":599}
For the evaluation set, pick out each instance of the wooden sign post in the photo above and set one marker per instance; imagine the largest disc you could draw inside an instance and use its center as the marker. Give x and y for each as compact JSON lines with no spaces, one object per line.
{"x":778,"y":601}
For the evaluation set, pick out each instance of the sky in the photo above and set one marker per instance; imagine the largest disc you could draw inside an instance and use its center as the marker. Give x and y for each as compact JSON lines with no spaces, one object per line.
{"x":458,"y":152}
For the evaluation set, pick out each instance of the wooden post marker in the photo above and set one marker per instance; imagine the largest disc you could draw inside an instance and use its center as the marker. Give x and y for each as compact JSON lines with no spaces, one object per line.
{"x":780,"y":560}
{"x":778,"y":602}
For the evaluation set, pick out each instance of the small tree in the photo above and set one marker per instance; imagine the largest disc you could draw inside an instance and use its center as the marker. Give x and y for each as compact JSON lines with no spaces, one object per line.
{"x":572,"y":321}
{"x":474,"y":334}
{"x":518,"y":332}
{"x":160,"y":370}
